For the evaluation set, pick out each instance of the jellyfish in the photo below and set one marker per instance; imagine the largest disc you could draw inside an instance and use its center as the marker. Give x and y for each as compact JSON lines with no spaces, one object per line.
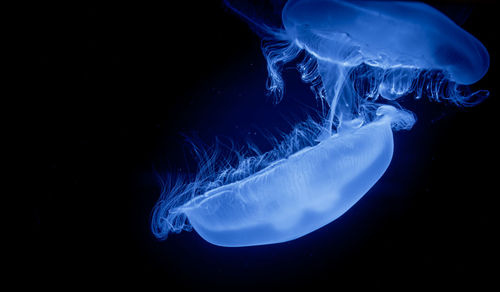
{"x":361,"y":58}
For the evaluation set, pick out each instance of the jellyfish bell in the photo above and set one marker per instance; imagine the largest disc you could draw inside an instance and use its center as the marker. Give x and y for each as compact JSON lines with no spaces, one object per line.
{"x":385,"y":34}
{"x":301,"y":193}
{"x":407,"y":48}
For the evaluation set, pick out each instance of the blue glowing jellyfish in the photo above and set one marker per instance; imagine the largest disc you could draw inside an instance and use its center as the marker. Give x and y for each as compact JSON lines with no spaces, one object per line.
{"x":360,"y":57}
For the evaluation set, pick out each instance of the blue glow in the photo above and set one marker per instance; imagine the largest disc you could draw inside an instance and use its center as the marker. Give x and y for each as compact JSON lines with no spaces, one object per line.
{"x":358,"y":56}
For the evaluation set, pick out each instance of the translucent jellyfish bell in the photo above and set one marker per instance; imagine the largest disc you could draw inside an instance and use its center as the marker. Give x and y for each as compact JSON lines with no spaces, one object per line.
{"x":359,"y":56}
{"x":296,"y":195}
{"x":385,"y":34}
{"x":299,"y":194}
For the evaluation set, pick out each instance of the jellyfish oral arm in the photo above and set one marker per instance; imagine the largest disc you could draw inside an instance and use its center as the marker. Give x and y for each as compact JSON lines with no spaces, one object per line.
{"x":297,"y":195}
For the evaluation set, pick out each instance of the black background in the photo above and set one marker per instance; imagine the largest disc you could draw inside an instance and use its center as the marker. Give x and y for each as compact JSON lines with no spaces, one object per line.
{"x":115,"y":87}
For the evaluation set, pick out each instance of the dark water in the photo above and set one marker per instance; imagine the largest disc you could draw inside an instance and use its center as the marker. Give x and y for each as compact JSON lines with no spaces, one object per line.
{"x":114,"y":88}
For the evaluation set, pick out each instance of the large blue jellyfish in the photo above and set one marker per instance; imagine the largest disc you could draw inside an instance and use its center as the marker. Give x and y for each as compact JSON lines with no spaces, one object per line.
{"x":360,"y":57}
